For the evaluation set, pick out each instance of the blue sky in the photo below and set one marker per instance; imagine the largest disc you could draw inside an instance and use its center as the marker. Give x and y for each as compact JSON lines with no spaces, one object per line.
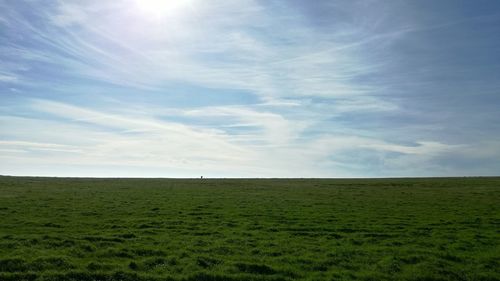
{"x":249,"y":88}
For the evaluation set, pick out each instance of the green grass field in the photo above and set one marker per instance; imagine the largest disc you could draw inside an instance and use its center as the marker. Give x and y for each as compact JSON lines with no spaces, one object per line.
{"x":160,"y":229}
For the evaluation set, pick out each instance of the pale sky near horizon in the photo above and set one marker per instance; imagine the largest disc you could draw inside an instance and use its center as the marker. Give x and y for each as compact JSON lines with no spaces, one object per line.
{"x":249,"y":88}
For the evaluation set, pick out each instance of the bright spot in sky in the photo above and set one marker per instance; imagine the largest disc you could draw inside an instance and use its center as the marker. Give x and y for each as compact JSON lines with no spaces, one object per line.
{"x":161,"y":8}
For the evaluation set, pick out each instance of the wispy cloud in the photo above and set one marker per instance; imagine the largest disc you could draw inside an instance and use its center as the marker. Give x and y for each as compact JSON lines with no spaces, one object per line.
{"x":23,"y":146}
{"x":8,"y":78}
{"x":145,"y":56}
{"x":147,"y":141}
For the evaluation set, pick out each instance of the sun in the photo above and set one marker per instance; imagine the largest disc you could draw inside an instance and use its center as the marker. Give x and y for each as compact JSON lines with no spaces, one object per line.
{"x":161,"y":8}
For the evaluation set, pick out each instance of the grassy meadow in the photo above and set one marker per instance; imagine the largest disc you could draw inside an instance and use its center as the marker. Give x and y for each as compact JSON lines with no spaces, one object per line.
{"x":283,"y":229}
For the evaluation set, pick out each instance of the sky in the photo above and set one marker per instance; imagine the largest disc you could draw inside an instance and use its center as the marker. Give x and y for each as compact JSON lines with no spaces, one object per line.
{"x":250,"y":88}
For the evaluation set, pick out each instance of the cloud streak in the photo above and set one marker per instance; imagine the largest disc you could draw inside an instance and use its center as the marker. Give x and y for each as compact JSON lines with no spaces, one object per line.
{"x":147,"y":141}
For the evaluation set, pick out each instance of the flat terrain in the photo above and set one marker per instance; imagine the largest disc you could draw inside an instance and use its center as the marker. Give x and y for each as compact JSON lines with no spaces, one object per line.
{"x":159,"y":229}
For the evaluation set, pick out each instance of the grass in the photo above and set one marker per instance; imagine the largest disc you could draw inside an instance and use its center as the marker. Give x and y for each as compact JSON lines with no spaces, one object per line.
{"x":159,"y":229}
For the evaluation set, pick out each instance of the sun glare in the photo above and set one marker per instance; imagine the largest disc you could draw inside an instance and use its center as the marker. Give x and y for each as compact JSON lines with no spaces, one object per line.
{"x":161,"y":8}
